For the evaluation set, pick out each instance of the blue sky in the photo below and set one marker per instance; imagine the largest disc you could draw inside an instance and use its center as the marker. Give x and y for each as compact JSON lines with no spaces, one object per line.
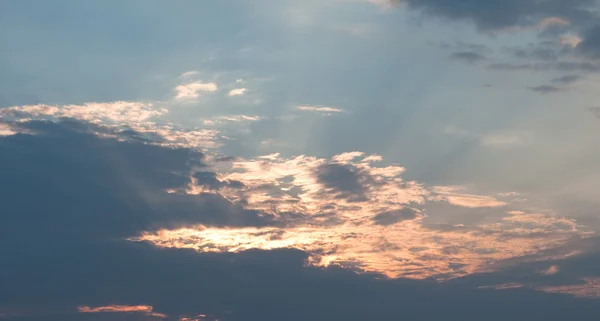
{"x":269,"y":160}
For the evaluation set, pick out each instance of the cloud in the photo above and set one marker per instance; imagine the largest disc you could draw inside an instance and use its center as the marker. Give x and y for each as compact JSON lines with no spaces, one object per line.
{"x":237,"y":92}
{"x":570,"y":40}
{"x":590,"y":45}
{"x":455,"y":195}
{"x":275,"y":229}
{"x":345,"y":181}
{"x":118,"y":112}
{"x":546,"y":89}
{"x":493,"y":139}
{"x":121,"y":120}
{"x":550,"y":21}
{"x":566,"y":80}
{"x":552,"y":270}
{"x":194,"y":89}
{"x":568,"y":66}
{"x":468,"y":56}
{"x":589,"y":289}
{"x":505,"y":14}
{"x":190,"y":73}
{"x":390,"y":218}
{"x":116,"y":308}
{"x":320,"y":109}
{"x":347,"y":212}
{"x":6,"y":130}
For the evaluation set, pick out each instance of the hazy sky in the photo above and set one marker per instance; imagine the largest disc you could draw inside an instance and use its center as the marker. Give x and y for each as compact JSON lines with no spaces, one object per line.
{"x":194,"y":160}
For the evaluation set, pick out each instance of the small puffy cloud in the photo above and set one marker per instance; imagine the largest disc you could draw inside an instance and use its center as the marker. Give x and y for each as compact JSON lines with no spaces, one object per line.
{"x":237,"y":92}
{"x":348,"y":157}
{"x":194,"y":89}
{"x":6,"y":130}
{"x":190,"y":73}
{"x":321,"y":109}
{"x":552,"y":270}
{"x":570,"y":40}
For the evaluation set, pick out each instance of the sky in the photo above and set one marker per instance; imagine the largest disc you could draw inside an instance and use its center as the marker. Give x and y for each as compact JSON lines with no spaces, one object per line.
{"x":197,"y":160}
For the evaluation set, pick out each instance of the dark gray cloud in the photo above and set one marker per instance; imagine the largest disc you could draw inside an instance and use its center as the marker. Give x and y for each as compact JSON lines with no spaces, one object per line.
{"x":501,"y":14}
{"x":92,"y":187}
{"x":565,"y":80}
{"x":345,"y":180}
{"x":468,"y":56}
{"x":210,"y":180}
{"x":69,"y":198}
{"x":590,"y":46}
{"x":546,"y":89}
{"x":390,"y":218}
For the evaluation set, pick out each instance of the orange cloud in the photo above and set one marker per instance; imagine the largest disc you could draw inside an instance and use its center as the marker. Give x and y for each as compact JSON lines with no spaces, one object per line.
{"x":116,"y":308}
{"x":589,"y":289}
{"x":381,"y":231}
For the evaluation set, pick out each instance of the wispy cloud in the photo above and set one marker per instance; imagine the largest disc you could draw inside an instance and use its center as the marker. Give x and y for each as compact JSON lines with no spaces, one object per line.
{"x":237,"y":92}
{"x":546,"y":89}
{"x":115,"y":308}
{"x":194,"y":90}
{"x":468,"y":56}
{"x":321,"y":109}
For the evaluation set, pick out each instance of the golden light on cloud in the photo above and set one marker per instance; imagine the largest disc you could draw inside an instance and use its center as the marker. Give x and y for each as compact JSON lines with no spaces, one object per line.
{"x":570,"y":40}
{"x":549,"y":21}
{"x":116,"y":308}
{"x":122,"y":115}
{"x":551,"y":270}
{"x":590,"y":288}
{"x":350,"y":213}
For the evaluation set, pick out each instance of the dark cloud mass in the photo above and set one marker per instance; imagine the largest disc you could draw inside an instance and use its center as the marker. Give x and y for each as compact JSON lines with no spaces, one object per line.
{"x":389,"y":218}
{"x":70,"y":198}
{"x":345,"y":180}
{"x":590,"y":46}
{"x":500,"y":14}
{"x":134,"y":211}
{"x":93,"y":187}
